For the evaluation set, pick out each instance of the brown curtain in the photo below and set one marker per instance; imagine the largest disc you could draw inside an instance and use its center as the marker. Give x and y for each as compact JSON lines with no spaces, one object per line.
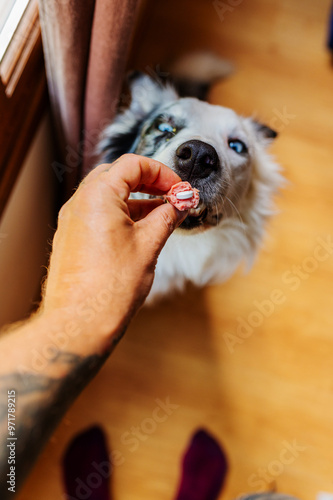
{"x":86,"y":43}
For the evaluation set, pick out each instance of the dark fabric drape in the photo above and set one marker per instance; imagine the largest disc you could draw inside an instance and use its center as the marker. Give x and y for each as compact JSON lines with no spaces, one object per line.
{"x":85,"y":47}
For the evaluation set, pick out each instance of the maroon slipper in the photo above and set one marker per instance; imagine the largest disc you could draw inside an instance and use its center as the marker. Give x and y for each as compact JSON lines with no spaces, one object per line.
{"x":86,"y":467}
{"x":204,"y":469}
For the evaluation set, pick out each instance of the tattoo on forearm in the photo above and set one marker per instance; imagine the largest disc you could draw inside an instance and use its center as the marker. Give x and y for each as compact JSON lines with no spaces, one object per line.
{"x":41,"y":402}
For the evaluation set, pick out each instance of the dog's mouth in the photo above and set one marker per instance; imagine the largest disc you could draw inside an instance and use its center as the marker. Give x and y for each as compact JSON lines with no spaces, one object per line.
{"x":196,"y":217}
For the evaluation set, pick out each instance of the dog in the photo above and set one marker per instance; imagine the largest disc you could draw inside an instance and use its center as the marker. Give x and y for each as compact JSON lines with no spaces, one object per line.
{"x":223,"y":155}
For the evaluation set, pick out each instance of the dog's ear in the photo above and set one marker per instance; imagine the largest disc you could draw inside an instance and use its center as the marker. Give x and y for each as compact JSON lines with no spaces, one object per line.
{"x":123,"y":134}
{"x":263,"y":132}
{"x":147,"y":94}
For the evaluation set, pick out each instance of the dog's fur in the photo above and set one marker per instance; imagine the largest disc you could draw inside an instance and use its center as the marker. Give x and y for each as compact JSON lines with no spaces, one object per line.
{"x":236,"y":183}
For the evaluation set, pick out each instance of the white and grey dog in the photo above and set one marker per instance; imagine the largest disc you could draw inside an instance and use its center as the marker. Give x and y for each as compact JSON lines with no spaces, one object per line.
{"x":220,"y":153}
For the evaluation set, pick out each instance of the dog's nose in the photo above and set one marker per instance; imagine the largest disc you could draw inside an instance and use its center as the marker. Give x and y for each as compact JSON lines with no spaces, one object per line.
{"x":196,"y":159}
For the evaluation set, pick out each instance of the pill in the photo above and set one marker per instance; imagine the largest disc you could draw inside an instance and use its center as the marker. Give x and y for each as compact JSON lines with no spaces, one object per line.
{"x":184,"y":195}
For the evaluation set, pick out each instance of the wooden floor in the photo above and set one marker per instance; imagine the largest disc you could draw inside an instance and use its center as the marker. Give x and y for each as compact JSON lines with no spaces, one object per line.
{"x":275,"y":390}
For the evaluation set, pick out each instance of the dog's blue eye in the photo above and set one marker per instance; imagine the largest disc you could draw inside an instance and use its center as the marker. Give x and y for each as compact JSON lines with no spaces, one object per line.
{"x":165,"y":127}
{"x":238,"y":146}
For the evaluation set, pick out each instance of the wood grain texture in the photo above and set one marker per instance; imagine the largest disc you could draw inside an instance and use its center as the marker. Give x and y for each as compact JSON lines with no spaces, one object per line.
{"x":275,"y":390}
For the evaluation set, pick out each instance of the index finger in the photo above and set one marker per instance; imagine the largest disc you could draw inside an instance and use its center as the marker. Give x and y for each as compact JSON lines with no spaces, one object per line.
{"x":138,"y":173}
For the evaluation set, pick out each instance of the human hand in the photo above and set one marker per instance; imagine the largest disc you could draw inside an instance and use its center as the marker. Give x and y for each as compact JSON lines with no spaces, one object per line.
{"x":106,"y":246}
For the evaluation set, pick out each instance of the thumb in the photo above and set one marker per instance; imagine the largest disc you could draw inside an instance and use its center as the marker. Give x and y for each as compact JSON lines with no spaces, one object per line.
{"x":159,"y":224}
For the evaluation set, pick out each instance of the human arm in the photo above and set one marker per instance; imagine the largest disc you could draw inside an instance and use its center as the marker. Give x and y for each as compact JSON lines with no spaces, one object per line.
{"x":101,"y":269}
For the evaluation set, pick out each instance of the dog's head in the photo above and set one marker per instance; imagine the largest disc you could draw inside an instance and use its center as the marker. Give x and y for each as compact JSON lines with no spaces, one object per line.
{"x":219,"y":152}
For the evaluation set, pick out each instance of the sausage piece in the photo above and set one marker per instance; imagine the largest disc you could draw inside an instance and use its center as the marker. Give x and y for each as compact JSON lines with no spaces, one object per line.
{"x":183,"y":196}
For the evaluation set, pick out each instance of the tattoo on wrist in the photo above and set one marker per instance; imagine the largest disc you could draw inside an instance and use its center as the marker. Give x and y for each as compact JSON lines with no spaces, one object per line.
{"x":41,"y":401}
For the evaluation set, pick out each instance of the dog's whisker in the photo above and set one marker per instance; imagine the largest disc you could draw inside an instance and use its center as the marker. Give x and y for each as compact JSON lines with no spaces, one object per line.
{"x":233,"y":206}
{"x":217,"y":213}
{"x":217,"y":203}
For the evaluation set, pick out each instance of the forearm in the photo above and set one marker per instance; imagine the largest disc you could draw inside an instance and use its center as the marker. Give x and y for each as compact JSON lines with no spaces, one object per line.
{"x":39,"y":380}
